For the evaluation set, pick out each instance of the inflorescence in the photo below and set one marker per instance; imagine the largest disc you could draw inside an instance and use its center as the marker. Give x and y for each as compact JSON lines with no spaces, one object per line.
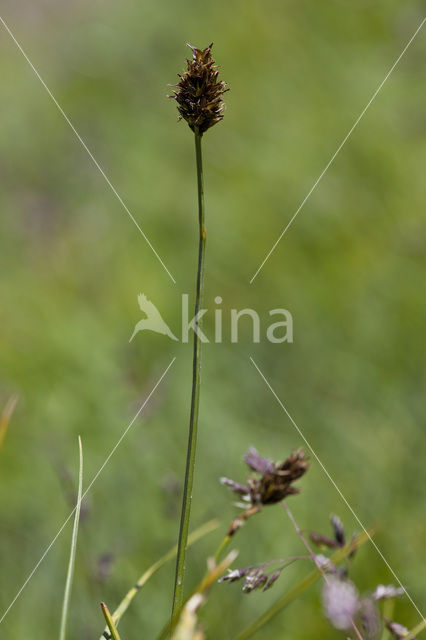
{"x":199,"y":91}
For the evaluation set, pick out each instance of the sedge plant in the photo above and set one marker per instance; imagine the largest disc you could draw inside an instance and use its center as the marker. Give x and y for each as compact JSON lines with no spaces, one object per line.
{"x":199,"y":99}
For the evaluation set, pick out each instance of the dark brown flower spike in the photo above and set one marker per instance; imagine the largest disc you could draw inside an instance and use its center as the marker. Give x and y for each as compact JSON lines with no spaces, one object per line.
{"x":274,"y":485}
{"x":199,"y":92}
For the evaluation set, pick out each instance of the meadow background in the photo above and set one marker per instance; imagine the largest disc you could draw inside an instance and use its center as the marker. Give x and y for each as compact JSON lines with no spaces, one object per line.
{"x":351,"y":270}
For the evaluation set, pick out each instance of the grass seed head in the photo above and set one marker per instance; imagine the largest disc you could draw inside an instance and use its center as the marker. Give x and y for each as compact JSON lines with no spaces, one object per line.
{"x":199,"y":91}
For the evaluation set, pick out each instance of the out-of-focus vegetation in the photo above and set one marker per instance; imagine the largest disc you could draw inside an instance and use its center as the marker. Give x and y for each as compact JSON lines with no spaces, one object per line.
{"x":351,"y":270}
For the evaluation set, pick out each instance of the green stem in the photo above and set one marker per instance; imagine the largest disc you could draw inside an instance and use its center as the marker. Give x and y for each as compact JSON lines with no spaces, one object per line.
{"x":388,"y":607}
{"x":71,"y":563}
{"x":110,"y":622}
{"x":227,"y":539}
{"x":418,"y":629}
{"x":195,"y":397}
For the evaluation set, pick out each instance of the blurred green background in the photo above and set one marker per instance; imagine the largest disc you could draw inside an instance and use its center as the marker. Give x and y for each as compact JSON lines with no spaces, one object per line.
{"x":351,"y":270}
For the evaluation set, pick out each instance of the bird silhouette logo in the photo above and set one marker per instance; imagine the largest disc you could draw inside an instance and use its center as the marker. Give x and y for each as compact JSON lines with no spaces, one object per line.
{"x":153,"y":320}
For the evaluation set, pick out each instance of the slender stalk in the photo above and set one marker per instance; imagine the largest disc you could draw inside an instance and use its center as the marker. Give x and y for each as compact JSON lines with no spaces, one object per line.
{"x":110,"y":622}
{"x":195,"y":396}
{"x":227,"y":539}
{"x":388,"y":607}
{"x":415,"y":632}
{"x":71,"y":563}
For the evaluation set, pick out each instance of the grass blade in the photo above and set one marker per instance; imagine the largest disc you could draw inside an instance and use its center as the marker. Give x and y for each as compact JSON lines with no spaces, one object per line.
{"x":110,"y":622}
{"x":415,"y":632}
{"x":71,"y":563}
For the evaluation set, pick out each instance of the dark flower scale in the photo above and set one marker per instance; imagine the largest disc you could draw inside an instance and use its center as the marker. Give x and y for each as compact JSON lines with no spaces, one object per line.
{"x":199,"y":92}
{"x":274,"y":484}
{"x":339,"y":539}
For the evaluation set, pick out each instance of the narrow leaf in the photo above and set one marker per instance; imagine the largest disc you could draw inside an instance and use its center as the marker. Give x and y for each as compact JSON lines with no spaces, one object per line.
{"x":418,"y":629}
{"x":71,"y":563}
{"x":110,"y":622}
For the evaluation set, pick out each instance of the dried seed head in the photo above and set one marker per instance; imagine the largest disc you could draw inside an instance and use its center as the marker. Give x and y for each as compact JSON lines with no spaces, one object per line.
{"x":199,"y":92}
{"x":274,"y":484}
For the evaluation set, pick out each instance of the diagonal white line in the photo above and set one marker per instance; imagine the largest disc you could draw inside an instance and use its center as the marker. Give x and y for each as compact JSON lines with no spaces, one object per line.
{"x":96,"y":476}
{"x":299,"y":431}
{"x":336,"y":153}
{"x":90,"y":154}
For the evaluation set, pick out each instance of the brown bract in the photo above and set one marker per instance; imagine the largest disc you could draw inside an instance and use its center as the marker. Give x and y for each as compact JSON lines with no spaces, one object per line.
{"x":276,"y":482}
{"x":199,"y":92}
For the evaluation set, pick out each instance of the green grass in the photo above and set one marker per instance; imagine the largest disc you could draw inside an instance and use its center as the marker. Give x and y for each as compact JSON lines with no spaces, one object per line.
{"x":73,"y":550}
